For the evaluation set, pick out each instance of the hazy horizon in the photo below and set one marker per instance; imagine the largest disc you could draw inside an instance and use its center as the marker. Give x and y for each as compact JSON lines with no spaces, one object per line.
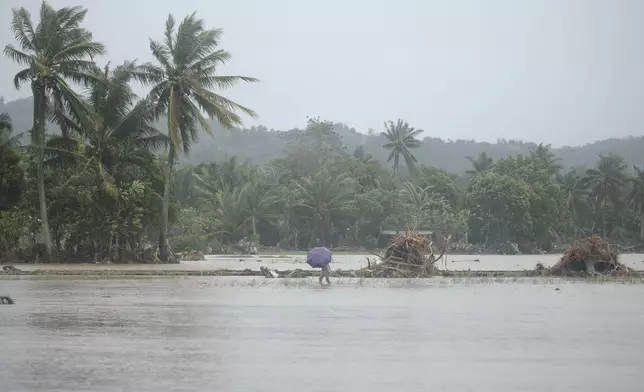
{"x":566,"y":73}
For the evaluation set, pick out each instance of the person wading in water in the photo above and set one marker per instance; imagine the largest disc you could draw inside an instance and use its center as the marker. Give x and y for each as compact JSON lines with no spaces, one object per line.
{"x":325,"y":274}
{"x":320,"y":257}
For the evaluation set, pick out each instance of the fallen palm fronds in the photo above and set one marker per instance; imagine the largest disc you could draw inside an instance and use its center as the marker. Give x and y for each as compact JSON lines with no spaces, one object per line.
{"x":410,"y":255}
{"x":590,"y":256}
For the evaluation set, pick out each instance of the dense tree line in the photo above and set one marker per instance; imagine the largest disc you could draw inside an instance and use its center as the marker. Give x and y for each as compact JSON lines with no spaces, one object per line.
{"x":321,"y":191}
{"x":107,"y":185}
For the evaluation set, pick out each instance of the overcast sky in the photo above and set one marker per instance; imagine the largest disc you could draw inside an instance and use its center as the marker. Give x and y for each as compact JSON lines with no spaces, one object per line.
{"x":556,"y":71}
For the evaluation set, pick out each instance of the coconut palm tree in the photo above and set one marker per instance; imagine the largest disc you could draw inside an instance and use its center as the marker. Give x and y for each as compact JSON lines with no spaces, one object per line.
{"x":183,"y":84}
{"x":480,"y":164}
{"x":184,"y":183}
{"x":53,"y":52}
{"x":260,"y":202}
{"x":576,"y":193}
{"x":211,"y":178}
{"x":574,"y":188}
{"x":230,"y":215}
{"x":543,"y":153}
{"x":605,"y":184}
{"x":401,"y":138}
{"x":119,"y":134}
{"x":325,"y":199}
{"x":419,"y":202}
{"x":635,"y":198}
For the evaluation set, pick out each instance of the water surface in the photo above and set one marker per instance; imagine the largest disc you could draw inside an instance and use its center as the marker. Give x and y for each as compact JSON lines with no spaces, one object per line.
{"x":255,"y":334}
{"x":340,"y":261}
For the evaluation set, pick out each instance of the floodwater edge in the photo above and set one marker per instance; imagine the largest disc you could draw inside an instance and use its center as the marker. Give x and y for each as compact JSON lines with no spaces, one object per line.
{"x":630,"y":277}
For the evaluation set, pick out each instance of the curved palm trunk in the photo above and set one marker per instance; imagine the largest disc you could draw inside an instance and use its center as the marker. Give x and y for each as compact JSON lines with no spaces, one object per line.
{"x":38,"y":138}
{"x":163,"y":243}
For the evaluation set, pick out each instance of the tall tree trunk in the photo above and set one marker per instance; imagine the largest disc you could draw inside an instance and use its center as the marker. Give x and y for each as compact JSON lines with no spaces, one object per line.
{"x":38,"y":138}
{"x":163,"y":249}
{"x":604,"y":223}
{"x":255,"y":236}
{"x":323,"y":231}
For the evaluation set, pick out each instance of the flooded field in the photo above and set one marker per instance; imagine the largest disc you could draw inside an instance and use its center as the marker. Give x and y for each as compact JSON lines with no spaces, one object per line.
{"x":340,"y":261}
{"x":255,"y":334}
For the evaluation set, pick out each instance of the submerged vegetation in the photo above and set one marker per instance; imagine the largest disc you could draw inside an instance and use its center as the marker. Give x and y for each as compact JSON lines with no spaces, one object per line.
{"x":98,"y":179}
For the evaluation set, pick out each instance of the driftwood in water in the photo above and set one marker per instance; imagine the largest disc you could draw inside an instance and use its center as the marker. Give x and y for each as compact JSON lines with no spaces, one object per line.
{"x":10,"y":269}
{"x":269,"y":273}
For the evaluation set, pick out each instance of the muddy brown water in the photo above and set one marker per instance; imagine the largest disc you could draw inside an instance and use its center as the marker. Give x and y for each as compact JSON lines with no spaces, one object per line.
{"x":255,"y":334}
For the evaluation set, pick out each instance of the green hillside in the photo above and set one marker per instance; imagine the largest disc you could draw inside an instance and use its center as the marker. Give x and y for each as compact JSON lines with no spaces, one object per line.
{"x":260,"y":145}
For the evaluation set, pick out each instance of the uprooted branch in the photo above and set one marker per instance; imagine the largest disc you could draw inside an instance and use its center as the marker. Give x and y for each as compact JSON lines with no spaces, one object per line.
{"x":409,"y":255}
{"x":590,"y":255}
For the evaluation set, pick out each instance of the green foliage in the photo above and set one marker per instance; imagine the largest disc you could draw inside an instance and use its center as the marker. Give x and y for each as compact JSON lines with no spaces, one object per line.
{"x":183,"y":83}
{"x":107,"y":182}
{"x":11,"y":172}
{"x":635,"y":197}
{"x":55,"y":51}
{"x":480,"y":164}
{"x":442,"y":182}
{"x":500,"y":208}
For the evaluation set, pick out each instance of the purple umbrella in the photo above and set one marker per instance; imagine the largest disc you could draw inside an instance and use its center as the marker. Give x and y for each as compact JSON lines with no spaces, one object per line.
{"x":319,"y":257}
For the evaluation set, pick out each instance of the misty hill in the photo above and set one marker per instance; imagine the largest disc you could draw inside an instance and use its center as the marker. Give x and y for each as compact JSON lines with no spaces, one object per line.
{"x":260,"y":145}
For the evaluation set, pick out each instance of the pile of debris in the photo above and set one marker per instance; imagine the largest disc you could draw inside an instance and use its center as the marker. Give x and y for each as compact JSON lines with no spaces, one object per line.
{"x":589,"y":256}
{"x":10,"y":270}
{"x":410,"y":255}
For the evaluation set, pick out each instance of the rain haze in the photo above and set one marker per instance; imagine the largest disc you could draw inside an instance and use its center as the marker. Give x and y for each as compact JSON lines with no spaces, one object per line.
{"x":138,"y":253}
{"x":560,"y":72}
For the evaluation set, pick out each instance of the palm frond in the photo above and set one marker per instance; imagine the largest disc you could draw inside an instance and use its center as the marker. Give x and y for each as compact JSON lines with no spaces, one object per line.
{"x":18,"y":56}
{"x":183,"y":80}
{"x":5,"y":123}
{"x":224,"y":82}
{"x":161,"y":54}
{"x":78,"y":50}
{"x":23,"y":29}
